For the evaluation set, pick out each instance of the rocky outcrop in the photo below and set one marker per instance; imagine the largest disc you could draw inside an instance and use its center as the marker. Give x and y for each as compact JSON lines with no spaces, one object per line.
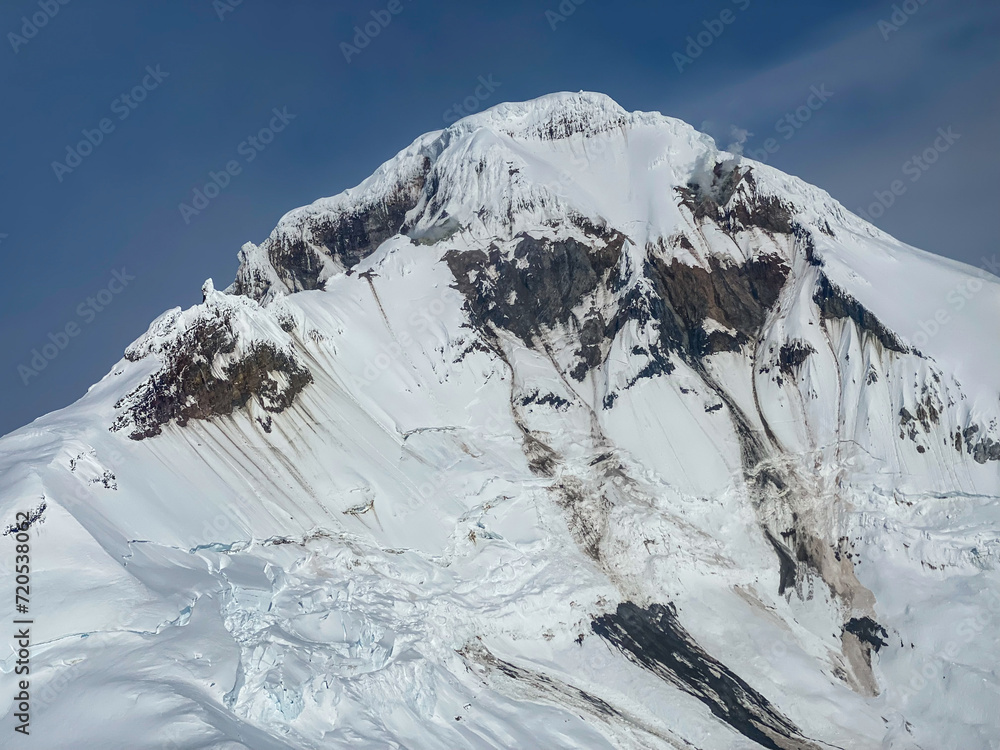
{"x":728,"y":195}
{"x":653,"y":638}
{"x":792,"y":356}
{"x":982,"y":448}
{"x":188,"y":387}
{"x":540,"y":284}
{"x":835,"y":303}
{"x":345,"y":235}
{"x":736,"y":298}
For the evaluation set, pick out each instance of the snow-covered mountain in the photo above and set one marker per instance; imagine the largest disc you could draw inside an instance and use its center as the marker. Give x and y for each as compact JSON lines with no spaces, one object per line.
{"x":565,"y":429}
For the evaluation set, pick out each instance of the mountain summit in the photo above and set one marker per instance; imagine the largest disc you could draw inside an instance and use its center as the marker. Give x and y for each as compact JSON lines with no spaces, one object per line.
{"x":564,"y":429}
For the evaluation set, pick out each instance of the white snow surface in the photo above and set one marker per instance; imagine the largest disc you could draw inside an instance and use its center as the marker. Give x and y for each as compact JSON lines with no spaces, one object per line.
{"x":341,"y":577}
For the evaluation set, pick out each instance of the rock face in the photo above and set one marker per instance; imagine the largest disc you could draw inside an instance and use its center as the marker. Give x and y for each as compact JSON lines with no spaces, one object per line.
{"x":187,"y":389}
{"x":538,"y":285}
{"x":564,"y":429}
{"x":654,"y":638}
{"x":834,"y":302}
{"x":346,"y":239}
{"x":210,"y":366}
{"x":735,"y":298}
{"x":731,"y":199}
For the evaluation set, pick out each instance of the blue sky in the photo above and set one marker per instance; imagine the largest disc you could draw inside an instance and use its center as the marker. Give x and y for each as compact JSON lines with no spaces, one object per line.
{"x":207,"y":83}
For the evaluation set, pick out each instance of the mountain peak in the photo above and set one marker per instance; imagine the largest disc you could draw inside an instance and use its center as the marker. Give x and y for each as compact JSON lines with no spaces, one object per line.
{"x":508,"y":169}
{"x":552,"y":116}
{"x":561,"y":399}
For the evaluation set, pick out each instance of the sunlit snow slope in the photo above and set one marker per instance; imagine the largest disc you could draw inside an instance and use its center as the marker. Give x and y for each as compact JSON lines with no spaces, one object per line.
{"x":563,"y":430}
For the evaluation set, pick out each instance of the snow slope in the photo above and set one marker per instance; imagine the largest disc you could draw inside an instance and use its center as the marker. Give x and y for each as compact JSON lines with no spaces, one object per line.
{"x":564,"y":429}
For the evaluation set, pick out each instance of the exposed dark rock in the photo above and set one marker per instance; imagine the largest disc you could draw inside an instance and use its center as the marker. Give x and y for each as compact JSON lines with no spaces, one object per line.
{"x":354,"y":236}
{"x":541,"y":687}
{"x":653,"y":638}
{"x":696,"y":310}
{"x":477,"y":653}
{"x":786,"y":565}
{"x":586,"y":514}
{"x":834,"y":302}
{"x":981,"y":447}
{"x":642,"y":308}
{"x":867,"y":631}
{"x":107,"y":480}
{"x":539,"y":286}
{"x":296,"y":263}
{"x":547,"y":399}
{"x":185,"y":387}
{"x":347,"y":237}
{"x":799,"y":546}
{"x":737,"y":297}
{"x":986,"y":450}
{"x":806,"y":238}
{"x":563,"y":125}
{"x":746,"y":210}
{"x":541,"y":458}
{"x":982,"y":450}
{"x":792,"y":355}
{"x":36,"y":515}
{"x":926,"y":415}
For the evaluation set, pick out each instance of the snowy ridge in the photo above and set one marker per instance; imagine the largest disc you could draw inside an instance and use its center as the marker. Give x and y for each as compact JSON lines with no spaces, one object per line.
{"x":564,"y":429}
